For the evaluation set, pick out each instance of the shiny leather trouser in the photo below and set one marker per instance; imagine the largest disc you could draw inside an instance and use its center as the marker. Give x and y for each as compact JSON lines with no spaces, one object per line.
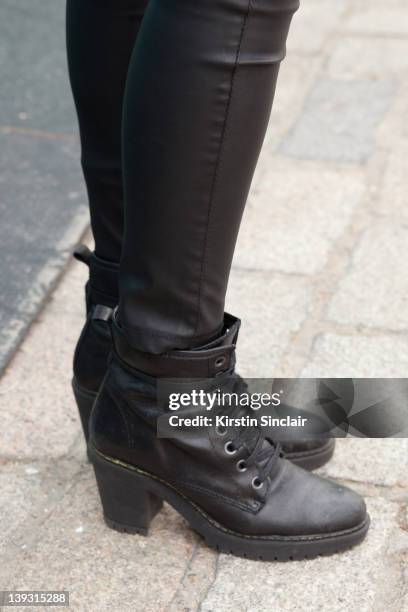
{"x":195,"y":80}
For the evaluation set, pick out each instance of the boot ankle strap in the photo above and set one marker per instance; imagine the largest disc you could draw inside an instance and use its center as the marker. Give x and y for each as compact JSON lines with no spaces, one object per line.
{"x":101,"y":313}
{"x":208,"y":361}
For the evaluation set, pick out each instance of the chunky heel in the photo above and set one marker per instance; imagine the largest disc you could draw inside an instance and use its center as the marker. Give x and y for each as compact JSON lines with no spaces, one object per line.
{"x":127,"y":505}
{"x":85,"y":400}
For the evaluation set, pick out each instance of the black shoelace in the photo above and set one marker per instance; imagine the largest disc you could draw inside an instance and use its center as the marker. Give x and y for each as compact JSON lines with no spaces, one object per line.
{"x":263,"y":451}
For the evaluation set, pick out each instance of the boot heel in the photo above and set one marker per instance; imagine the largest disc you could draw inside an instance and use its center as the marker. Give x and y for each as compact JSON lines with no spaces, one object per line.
{"x":127,"y":505}
{"x":85,"y":400}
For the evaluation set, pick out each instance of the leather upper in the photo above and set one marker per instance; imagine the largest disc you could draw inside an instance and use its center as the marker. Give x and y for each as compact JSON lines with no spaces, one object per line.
{"x":290,"y":502}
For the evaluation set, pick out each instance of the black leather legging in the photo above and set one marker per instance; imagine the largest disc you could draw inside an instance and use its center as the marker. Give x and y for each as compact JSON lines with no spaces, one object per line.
{"x":199,"y":88}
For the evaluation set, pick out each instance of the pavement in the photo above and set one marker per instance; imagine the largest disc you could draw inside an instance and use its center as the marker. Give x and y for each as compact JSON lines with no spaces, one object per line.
{"x":42,"y":203}
{"x":320,"y":280}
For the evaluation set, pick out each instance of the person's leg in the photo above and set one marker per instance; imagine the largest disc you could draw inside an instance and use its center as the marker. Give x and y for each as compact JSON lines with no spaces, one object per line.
{"x":101,"y":35}
{"x":197,"y":102}
{"x":207,"y":70}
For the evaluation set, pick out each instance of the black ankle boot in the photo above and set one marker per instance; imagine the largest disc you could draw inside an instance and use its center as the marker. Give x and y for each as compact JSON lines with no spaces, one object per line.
{"x":231,"y":484}
{"x":95,"y":344}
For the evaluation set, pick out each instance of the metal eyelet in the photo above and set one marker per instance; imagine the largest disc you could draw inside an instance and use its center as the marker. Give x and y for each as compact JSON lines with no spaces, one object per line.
{"x":241,"y":466}
{"x":256,"y":483}
{"x":221,"y":431}
{"x":219,"y":361}
{"x":229,"y":448}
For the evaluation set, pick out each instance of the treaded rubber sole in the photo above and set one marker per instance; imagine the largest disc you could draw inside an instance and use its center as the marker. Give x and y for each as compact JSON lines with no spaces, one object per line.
{"x":132,"y":497}
{"x":315,"y":458}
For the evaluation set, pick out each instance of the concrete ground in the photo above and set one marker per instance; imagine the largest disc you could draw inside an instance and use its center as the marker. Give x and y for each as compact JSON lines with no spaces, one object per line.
{"x":43,"y":208}
{"x":320,"y":280}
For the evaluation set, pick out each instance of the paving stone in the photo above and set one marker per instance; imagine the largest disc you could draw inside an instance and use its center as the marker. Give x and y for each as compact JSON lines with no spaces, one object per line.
{"x":379,"y":20}
{"x":34,"y":77}
{"x":392,"y":133}
{"x":43,"y":421}
{"x":272,"y":309}
{"x":295,"y":214}
{"x":29,"y":493}
{"x":357,"y":356}
{"x":404,"y":605}
{"x":355,"y":59}
{"x":328,"y":584}
{"x":339,"y":121}
{"x":378,"y":462}
{"x":70,"y":548}
{"x":102,"y":569}
{"x":393,"y":193}
{"x":326,"y":14}
{"x":197,"y":580}
{"x":296,"y":77}
{"x":375,"y":290}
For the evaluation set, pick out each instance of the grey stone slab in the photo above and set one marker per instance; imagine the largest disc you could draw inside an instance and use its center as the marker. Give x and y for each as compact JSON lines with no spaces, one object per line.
{"x":363,"y":579}
{"x":29,"y":494}
{"x":339,"y":121}
{"x":305,"y":37}
{"x":374,"y":293}
{"x":393,"y":198}
{"x":379,"y":20}
{"x":356,"y":58}
{"x":392,"y":135}
{"x":34,"y":80}
{"x":296,"y":76}
{"x":352,"y":356}
{"x":272,"y":309}
{"x":43,"y":212}
{"x":378,"y":462}
{"x":101,"y":568}
{"x":295,"y":214}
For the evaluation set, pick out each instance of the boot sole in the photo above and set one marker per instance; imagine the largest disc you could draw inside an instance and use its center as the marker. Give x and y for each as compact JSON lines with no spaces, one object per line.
{"x":313,"y":459}
{"x":131,"y":498}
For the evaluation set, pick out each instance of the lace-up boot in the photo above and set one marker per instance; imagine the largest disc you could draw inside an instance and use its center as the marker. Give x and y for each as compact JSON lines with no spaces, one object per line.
{"x":231,"y":484}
